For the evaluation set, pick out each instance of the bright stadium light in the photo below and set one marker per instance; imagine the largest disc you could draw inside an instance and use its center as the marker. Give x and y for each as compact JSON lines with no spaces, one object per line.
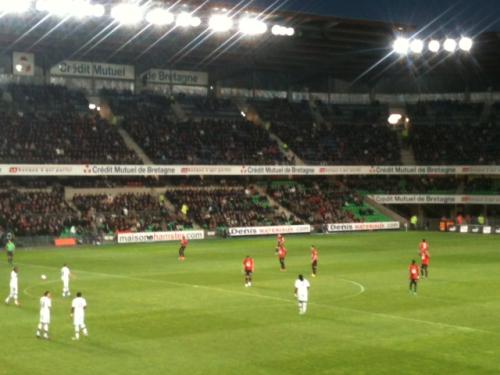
{"x":450,"y":45}
{"x":127,"y":14}
{"x":434,"y":46}
{"x":394,"y":118}
{"x":19,"y":68}
{"x":14,"y":6}
{"x":220,"y":23}
{"x":282,"y":30}
{"x":401,"y":46}
{"x":92,"y":106}
{"x":465,"y":44}
{"x":185,"y":19}
{"x":252,"y":26}
{"x":160,"y":17}
{"x":417,"y":46}
{"x":73,"y":8}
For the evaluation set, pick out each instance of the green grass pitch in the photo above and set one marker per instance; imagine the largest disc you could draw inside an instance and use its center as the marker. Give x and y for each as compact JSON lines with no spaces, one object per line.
{"x":149,"y":314}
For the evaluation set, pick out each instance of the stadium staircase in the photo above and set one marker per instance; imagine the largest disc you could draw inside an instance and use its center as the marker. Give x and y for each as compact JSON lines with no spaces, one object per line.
{"x":385,"y":211}
{"x":179,"y":112}
{"x":316,"y":114}
{"x":278,"y":207}
{"x":407,"y":154}
{"x":253,"y":116}
{"x":131,"y":144}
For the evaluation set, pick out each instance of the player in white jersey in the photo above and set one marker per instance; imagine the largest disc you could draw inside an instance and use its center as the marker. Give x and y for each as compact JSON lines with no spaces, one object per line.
{"x":65,"y":275}
{"x":78,"y":307}
{"x":13,"y":287}
{"x":43,"y":325}
{"x":302,"y":293}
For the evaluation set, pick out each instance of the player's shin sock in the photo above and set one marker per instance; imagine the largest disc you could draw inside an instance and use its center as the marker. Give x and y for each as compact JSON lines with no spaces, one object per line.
{"x":304,"y":307}
{"x":46,"y":331}
{"x":85,"y":332}
{"x":39,"y":328}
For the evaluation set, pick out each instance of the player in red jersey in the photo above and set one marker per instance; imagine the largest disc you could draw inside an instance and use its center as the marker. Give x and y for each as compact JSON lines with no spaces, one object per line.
{"x":248,"y":268}
{"x":425,"y":256}
{"x":280,"y":241}
{"x":314,"y":260}
{"x":182,"y":249}
{"x":281,"y":256}
{"x":414,"y":276}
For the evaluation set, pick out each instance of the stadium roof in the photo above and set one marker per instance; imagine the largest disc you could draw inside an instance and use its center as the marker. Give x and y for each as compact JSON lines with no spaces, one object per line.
{"x":347,"y":49}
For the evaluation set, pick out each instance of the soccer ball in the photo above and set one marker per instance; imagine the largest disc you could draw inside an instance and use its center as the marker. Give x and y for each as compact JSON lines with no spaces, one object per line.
{"x":43,"y":277}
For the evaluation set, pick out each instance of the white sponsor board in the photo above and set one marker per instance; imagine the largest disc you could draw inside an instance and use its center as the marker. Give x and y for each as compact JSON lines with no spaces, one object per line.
{"x":268,"y":230}
{"x":160,"y":236}
{"x":176,"y":77}
{"x":355,"y":227}
{"x":23,"y":64}
{"x":93,"y":70}
{"x":223,"y":170}
{"x":435,"y":199}
{"x":464,"y":229}
{"x":487,"y":230}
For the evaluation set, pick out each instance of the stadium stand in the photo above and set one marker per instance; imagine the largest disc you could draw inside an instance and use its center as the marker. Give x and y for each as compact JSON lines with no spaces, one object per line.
{"x":442,"y":131}
{"x":35,"y":212}
{"x":321,"y":202}
{"x":218,"y":208}
{"x":127,"y":212}
{"x":52,"y":124}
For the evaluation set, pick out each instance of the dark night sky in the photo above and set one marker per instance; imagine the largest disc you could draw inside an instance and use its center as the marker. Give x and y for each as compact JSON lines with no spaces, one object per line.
{"x":465,"y":16}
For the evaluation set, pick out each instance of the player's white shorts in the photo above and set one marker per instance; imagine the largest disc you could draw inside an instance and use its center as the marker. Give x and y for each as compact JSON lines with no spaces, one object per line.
{"x":45,"y":317}
{"x":302,"y":297}
{"x":13,"y":289}
{"x":65,"y":283}
{"x":79,"y":322}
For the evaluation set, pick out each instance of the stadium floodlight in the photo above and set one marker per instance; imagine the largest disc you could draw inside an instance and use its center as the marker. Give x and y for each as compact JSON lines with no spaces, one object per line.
{"x":434,"y":46}
{"x":186,"y":19}
{"x":394,"y":118}
{"x":19,"y":68}
{"x":127,"y":14}
{"x":450,"y":45}
{"x":92,"y":106}
{"x":401,"y":46}
{"x":252,"y":26}
{"x":465,"y":44}
{"x":220,"y":23}
{"x":14,"y":6}
{"x":416,"y":46}
{"x":73,"y":8}
{"x":282,"y":30}
{"x":159,"y":17}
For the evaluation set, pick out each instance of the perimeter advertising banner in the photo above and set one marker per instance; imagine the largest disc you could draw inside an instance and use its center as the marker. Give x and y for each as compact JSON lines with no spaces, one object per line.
{"x":93,"y":70}
{"x":142,"y":237}
{"x":268,"y":230}
{"x":435,"y":199}
{"x":232,"y":170}
{"x":176,"y":77}
{"x":357,"y":227}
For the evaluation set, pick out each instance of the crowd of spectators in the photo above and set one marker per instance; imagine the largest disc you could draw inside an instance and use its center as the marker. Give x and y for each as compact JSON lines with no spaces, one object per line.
{"x":453,"y":133}
{"x":215,"y":208}
{"x":355,"y":136}
{"x":209,"y":141}
{"x":35,"y":212}
{"x":315,"y":203}
{"x":53,"y":124}
{"x":45,"y":98}
{"x":127,"y":212}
